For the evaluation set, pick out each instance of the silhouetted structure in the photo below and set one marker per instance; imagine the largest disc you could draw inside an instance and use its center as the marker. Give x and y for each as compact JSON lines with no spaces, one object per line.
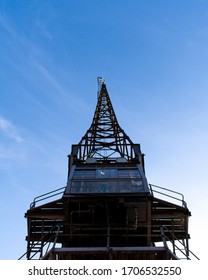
{"x":108,"y":210}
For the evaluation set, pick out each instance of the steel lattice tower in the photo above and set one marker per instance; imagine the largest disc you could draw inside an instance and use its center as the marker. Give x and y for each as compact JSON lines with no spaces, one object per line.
{"x":107,"y":209}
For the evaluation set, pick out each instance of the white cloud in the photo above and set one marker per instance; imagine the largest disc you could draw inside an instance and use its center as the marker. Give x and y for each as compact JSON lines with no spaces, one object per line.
{"x":9,"y":130}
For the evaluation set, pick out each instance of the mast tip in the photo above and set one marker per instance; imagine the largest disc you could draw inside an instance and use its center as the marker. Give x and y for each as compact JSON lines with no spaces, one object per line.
{"x":100,"y":80}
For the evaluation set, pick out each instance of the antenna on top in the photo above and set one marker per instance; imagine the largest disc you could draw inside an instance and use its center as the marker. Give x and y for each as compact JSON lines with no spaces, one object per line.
{"x":100,"y":81}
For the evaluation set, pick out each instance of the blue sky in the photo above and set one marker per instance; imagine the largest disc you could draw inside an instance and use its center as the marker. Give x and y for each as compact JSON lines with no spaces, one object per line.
{"x":154,"y":57}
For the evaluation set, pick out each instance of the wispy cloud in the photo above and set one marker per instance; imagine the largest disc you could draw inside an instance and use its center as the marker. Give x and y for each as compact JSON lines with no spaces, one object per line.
{"x":48,"y":76}
{"x":9,"y":130}
{"x":61,"y":93}
{"x":34,"y":62}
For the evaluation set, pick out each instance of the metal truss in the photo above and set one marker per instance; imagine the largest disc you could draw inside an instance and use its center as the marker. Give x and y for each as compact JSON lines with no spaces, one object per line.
{"x":105,"y":139}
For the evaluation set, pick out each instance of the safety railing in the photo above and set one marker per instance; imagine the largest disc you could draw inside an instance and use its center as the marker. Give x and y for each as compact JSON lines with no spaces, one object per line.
{"x":184,"y":251}
{"x":176,"y":196}
{"x":51,"y":243}
{"x":46,"y":196}
{"x":172,"y":195}
{"x":167,"y":238}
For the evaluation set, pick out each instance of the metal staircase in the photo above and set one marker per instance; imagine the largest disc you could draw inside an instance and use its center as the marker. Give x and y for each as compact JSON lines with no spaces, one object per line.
{"x":169,"y":216}
{"x":45,"y":222}
{"x":180,"y":249}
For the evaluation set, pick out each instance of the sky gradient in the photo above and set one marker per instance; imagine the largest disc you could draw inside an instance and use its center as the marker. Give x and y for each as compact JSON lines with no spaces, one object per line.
{"x":154,"y":58}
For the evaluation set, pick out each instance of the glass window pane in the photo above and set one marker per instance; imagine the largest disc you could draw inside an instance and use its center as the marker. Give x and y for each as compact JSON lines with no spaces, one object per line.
{"x":84,"y":173}
{"x":106,"y":173}
{"x":128,"y":173}
{"x":115,"y":186}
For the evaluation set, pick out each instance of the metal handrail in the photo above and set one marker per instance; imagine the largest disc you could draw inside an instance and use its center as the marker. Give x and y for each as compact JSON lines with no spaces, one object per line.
{"x":165,"y":238}
{"x":46,"y":196}
{"x":55,"y":240}
{"x":181,"y":199}
{"x":48,"y":242}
